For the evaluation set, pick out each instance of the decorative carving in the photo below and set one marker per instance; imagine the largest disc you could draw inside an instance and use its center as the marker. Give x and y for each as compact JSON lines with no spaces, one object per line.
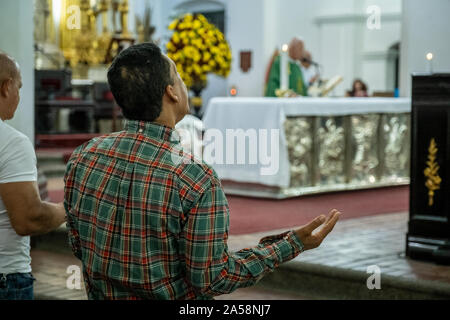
{"x":47,"y":53}
{"x":431,"y":172}
{"x":123,"y":10}
{"x":144,"y":27}
{"x":82,"y":45}
{"x":396,"y":147}
{"x":299,"y":141}
{"x":365,"y":138}
{"x":331,"y":153}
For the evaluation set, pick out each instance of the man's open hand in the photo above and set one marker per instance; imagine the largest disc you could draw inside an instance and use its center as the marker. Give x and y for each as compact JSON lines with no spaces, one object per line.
{"x":312,"y":240}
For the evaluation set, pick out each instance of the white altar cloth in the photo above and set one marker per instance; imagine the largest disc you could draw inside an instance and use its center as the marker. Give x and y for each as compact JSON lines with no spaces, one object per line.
{"x":271,"y":113}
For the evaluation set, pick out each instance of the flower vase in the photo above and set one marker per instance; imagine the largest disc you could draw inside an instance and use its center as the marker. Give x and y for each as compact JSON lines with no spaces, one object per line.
{"x":196,"y":100}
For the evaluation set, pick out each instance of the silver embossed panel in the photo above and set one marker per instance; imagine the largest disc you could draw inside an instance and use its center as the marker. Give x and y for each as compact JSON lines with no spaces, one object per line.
{"x":395,"y":146}
{"x":364,"y":148}
{"x":299,"y":141}
{"x":330,"y":150}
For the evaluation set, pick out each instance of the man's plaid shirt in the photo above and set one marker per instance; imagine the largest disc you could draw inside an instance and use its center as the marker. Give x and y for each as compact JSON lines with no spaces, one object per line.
{"x":147,"y":224}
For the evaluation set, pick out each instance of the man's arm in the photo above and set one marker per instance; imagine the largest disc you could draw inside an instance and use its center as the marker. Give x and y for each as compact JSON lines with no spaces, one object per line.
{"x":212,"y":270}
{"x":28,"y":214}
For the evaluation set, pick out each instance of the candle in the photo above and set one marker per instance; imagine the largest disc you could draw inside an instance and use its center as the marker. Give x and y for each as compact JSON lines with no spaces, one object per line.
{"x":430,"y":62}
{"x":284,"y":77}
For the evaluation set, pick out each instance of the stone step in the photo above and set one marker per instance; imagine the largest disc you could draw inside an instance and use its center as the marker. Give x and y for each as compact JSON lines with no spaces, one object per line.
{"x":50,"y":158}
{"x":63,"y":140}
{"x":53,"y":170}
{"x":324,"y":282}
{"x":52,"y":162}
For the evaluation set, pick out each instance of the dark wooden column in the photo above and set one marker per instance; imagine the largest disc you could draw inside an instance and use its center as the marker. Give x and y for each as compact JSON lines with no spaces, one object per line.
{"x":428,"y":234}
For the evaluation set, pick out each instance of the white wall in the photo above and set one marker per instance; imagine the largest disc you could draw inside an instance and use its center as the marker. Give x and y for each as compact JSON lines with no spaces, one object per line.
{"x":245,"y":25}
{"x":426,"y":28}
{"x":335,"y":33}
{"x":349,"y":48}
{"x":16,"y":23}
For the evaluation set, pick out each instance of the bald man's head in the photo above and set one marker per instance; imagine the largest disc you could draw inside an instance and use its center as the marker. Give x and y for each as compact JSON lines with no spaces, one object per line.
{"x":9,"y":69}
{"x":10,"y":84}
{"x":296,"y":47}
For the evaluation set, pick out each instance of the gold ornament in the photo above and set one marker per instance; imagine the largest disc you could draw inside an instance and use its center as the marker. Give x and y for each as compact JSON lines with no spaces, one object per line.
{"x":431,"y":172}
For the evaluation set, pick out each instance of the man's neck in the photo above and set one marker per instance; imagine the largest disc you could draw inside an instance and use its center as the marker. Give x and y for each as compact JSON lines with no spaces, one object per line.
{"x":166,"y":118}
{"x":166,"y":123}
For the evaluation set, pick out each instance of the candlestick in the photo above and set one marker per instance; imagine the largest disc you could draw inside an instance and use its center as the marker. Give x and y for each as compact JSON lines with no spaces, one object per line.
{"x":284,"y":77}
{"x":430,"y":62}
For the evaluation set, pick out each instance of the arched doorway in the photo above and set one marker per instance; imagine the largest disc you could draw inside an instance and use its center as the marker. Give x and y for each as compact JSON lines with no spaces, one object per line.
{"x":214,"y":11}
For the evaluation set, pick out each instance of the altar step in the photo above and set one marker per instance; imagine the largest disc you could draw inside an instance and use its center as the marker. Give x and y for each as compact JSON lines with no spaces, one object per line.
{"x":54,"y":150}
{"x":52,"y":162}
{"x":318,"y":281}
{"x":62,"y":141}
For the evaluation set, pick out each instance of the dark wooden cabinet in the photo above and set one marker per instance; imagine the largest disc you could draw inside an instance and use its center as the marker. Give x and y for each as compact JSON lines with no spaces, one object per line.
{"x":428,"y":234}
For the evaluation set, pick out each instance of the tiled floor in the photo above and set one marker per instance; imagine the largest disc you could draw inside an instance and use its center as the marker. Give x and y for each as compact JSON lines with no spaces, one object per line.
{"x":354,"y":244}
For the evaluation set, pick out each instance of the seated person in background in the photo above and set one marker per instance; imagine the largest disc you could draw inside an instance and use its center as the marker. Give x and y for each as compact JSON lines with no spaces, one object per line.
{"x":22,"y":213}
{"x":359,"y":89}
{"x":296,"y":80}
{"x":309,"y":73}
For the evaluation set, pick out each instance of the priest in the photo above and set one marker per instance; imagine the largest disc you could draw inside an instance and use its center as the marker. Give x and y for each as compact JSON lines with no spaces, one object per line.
{"x":296,"y":81}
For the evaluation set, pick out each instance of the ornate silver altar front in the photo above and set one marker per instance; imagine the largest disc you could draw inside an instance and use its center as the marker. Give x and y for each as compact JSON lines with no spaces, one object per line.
{"x":346,"y":152}
{"x":329,"y":144}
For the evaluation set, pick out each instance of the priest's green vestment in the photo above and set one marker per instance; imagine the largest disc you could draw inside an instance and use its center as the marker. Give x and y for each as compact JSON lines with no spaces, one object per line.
{"x":296,"y":82}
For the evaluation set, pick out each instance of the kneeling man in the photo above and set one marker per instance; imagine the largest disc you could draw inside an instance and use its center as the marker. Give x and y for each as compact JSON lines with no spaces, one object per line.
{"x":147,"y":226}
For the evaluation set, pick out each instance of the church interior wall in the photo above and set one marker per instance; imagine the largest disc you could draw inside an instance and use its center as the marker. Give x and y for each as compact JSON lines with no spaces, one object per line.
{"x":426,"y":28}
{"x":17,"y":41}
{"x":334,"y":32}
{"x":331,"y":30}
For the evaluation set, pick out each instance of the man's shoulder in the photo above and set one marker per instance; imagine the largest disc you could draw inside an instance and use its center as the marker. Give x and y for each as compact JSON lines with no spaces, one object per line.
{"x":93,"y":145}
{"x":196,"y":175}
{"x":13,"y":139}
{"x":9,"y":132}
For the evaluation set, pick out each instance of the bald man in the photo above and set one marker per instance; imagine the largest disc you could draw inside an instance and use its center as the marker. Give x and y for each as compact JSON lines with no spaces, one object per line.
{"x":296,"y":81}
{"x":22,"y":213}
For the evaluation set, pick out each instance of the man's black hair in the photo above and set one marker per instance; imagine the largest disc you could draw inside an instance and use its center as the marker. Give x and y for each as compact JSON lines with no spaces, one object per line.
{"x":138,"y":77}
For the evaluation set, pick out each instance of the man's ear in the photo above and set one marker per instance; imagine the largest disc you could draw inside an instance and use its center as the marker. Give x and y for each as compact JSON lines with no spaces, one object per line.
{"x":4,"y":87}
{"x":170,"y":91}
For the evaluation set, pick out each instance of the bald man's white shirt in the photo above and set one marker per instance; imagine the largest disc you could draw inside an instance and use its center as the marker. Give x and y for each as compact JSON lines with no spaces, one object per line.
{"x":17,"y":164}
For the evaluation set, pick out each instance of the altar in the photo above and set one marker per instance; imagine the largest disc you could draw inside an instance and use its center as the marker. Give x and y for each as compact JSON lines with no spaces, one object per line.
{"x":316,"y":144}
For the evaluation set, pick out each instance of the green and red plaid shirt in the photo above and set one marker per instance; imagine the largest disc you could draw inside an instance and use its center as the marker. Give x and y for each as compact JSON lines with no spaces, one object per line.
{"x":149,"y":222}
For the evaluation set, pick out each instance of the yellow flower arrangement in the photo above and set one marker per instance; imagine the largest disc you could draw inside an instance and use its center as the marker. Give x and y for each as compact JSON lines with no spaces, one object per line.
{"x":197,"y":47}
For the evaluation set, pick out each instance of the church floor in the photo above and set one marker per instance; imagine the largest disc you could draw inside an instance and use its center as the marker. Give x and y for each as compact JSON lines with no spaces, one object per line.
{"x":49,"y":269}
{"x":335,"y":270}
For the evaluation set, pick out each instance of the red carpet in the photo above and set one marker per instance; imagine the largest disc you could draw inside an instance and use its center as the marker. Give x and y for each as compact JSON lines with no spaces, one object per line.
{"x":250,"y":215}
